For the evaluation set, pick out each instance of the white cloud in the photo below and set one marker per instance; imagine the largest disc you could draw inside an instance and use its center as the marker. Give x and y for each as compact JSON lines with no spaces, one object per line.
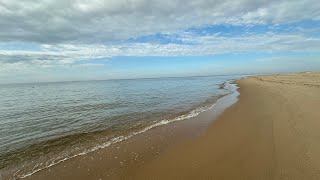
{"x":94,"y":21}
{"x":193,"y":45}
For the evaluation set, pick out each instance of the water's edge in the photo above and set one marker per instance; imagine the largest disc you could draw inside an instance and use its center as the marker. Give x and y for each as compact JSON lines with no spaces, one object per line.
{"x":226,"y":85}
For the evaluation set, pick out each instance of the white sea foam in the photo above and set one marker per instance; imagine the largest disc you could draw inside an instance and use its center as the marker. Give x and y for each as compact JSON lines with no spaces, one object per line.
{"x":58,"y":160}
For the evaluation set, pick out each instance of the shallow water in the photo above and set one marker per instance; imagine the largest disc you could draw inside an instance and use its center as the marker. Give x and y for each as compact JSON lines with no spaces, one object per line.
{"x":42,"y":124}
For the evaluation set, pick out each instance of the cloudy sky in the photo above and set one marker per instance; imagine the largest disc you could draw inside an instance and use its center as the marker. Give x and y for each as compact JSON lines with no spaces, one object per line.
{"x":62,"y":40}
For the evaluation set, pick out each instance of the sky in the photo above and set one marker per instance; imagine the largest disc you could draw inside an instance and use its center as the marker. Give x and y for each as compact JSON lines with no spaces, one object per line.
{"x":71,"y":40}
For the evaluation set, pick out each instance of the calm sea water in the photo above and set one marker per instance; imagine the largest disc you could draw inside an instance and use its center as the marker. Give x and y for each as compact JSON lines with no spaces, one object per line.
{"x":42,"y":124}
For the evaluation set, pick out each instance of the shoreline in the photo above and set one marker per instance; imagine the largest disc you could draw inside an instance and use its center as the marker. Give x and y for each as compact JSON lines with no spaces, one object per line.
{"x":272,"y":132}
{"x":191,"y":122}
{"x":269,"y":133}
{"x":119,"y":139}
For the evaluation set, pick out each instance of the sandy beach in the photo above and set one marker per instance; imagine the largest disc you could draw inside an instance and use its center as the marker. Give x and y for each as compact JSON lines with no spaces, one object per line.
{"x":167,"y":89}
{"x":272,"y":132}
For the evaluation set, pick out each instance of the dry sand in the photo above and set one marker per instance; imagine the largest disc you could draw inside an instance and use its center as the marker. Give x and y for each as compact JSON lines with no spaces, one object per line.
{"x":273,"y":132}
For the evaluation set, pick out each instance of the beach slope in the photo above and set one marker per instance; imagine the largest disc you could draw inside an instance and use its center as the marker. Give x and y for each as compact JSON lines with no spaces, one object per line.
{"x":272,"y":132}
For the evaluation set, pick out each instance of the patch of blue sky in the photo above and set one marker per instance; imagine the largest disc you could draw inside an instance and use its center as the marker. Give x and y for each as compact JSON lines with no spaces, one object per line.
{"x":153,"y":66}
{"x":129,"y":62}
{"x":23,"y":46}
{"x":242,"y":30}
{"x":158,"y":38}
{"x":92,"y":61}
{"x":310,"y":28}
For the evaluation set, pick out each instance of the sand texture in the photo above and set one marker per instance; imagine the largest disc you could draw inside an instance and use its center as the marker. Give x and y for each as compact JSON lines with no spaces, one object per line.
{"x":272,"y":132}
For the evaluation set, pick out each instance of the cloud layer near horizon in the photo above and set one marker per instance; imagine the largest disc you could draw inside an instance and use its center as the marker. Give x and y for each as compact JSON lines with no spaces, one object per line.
{"x":191,"y":45}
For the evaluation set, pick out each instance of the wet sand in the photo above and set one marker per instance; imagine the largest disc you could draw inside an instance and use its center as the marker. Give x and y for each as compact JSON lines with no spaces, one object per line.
{"x":272,"y":132}
{"x":120,"y":160}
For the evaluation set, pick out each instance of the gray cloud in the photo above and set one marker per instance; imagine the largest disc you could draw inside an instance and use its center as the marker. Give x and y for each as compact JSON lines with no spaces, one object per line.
{"x":31,"y":58}
{"x":96,"y":21}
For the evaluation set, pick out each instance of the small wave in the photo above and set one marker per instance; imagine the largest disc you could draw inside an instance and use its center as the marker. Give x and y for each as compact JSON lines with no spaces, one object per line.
{"x":223,"y":85}
{"x":60,"y":159}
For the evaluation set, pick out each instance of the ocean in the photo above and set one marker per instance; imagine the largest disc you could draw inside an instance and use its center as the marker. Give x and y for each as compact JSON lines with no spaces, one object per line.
{"x":42,"y":124}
